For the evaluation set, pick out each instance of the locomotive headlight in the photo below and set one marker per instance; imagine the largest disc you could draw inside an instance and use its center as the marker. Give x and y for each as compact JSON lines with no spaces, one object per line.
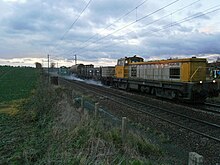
{"x":200,"y":82}
{"x":214,"y":81}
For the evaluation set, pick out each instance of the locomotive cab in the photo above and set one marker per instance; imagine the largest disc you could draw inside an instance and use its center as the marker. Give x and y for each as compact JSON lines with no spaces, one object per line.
{"x":121,"y":69}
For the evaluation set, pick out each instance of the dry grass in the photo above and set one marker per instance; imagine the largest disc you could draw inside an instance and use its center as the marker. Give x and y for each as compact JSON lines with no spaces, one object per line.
{"x":51,"y":130}
{"x":12,"y":107}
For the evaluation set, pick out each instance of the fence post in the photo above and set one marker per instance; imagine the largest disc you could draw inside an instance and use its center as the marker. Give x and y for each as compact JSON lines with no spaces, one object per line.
{"x":96,"y":109}
{"x":195,"y":159}
{"x":123,"y":129}
{"x":72,"y":95}
{"x":82,"y":104}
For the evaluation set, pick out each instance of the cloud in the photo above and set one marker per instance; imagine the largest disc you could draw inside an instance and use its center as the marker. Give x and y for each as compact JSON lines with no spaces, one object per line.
{"x":36,"y":28}
{"x":15,"y":1}
{"x":187,"y":45}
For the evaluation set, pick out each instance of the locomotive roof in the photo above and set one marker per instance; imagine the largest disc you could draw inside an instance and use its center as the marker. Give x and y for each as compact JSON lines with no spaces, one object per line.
{"x":172,"y":61}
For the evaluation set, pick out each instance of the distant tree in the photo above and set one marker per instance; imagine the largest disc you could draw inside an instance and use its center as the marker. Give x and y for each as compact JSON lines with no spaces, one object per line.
{"x":38,"y":65}
{"x":52,"y":65}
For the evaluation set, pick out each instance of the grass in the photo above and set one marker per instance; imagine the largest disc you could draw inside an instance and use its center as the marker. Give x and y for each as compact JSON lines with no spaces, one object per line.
{"x":47,"y":129}
{"x":44,"y":127}
{"x":10,"y":109}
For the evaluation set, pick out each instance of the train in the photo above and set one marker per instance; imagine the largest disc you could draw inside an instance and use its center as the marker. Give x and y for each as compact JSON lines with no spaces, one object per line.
{"x":186,"y":79}
{"x":63,"y":70}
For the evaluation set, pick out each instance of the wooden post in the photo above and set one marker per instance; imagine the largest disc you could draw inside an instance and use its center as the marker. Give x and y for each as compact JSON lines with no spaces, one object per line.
{"x":82,"y":104}
{"x":123,"y":129}
{"x":195,"y":159}
{"x":96,"y":109}
{"x":72,"y":94}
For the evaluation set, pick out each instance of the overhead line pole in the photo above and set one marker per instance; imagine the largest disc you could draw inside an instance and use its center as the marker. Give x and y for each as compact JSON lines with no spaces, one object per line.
{"x":48,"y":61}
{"x":75,"y":59}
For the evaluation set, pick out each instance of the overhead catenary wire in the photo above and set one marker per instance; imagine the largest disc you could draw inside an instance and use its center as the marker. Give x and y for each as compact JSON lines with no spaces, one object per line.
{"x":134,"y":22}
{"x":76,"y":19}
{"x":71,"y":26}
{"x":194,"y":16}
{"x":186,"y":19}
{"x":178,"y":10}
{"x":142,"y":3}
{"x":120,"y":18}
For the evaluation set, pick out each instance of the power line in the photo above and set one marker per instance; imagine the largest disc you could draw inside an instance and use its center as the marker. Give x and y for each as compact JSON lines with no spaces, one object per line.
{"x":124,"y":15}
{"x":120,"y":18}
{"x":188,"y":18}
{"x":134,"y":22}
{"x":178,"y":10}
{"x":74,"y":22}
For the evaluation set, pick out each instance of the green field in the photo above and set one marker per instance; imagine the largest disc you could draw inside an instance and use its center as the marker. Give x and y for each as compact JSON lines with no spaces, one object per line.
{"x":16,"y":82}
{"x":47,"y":127}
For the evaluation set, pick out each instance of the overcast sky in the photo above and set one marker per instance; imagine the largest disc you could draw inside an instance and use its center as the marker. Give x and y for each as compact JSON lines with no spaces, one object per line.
{"x":107,"y":30}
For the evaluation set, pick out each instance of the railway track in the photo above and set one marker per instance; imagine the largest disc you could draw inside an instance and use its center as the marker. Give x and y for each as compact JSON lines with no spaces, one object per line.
{"x":206,"y":107}
{"x":209,"y":108}
{"x":213,"y":108}
{"x":200,"y":127}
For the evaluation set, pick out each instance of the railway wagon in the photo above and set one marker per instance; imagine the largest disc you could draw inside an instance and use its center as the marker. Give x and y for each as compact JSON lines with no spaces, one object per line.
{"x":96,"y":73}
{"x":76,"y":69}
{"x":86,"y":71}
{"x":183,"y":79}
{"x":107,"y":75}
{"x":63,"y":70}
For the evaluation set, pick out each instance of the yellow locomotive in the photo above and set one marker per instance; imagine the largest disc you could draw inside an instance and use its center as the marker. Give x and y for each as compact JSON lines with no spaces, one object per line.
{"x":185,"y":79}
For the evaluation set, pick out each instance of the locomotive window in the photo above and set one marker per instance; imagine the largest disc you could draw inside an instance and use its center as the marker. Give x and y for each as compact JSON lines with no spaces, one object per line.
{"x":175,"y":73}
{"x":133,"y":60}
{"x":121,"y":62}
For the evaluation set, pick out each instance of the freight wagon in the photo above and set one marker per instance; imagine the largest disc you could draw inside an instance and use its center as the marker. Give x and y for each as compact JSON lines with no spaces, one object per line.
{"x":86,"y":71}
{"x":63,"y":70}
{"x":107,"y":74}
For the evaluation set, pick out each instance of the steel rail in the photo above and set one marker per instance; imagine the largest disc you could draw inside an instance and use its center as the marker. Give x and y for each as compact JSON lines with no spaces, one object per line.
{"x":212,"y":110}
